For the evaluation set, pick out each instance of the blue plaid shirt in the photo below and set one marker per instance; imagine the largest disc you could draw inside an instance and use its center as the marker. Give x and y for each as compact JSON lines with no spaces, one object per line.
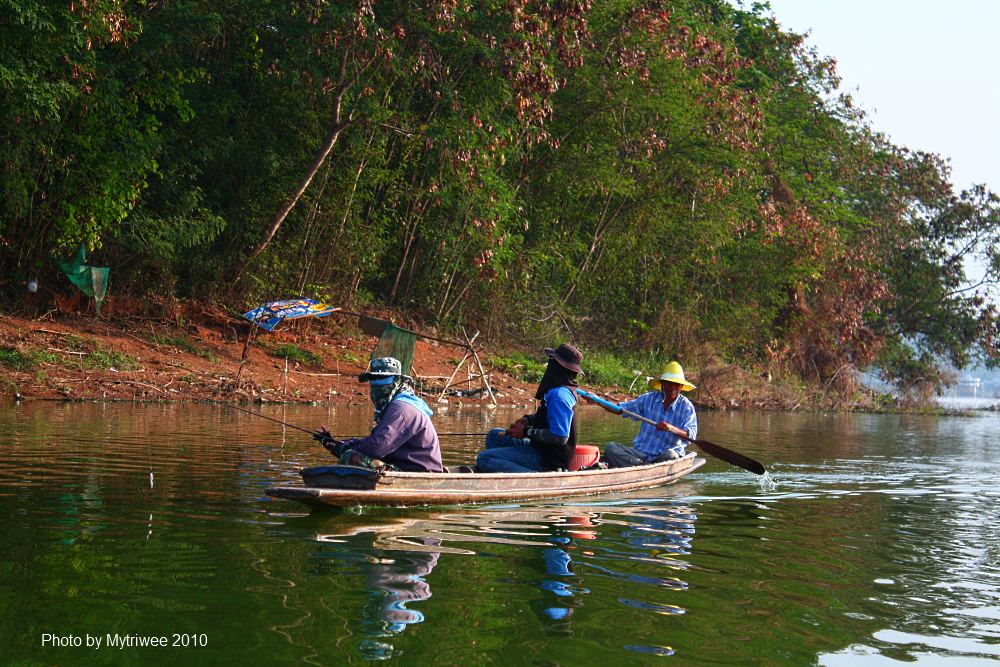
{"x":680,"y":414}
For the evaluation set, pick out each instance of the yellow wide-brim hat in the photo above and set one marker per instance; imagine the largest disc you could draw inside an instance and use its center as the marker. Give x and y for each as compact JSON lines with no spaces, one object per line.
{"x":672,"y":372}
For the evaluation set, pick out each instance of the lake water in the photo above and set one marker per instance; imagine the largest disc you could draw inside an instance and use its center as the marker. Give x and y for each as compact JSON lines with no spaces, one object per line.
{"x":878,"y":545}
{"x":968,"y":402}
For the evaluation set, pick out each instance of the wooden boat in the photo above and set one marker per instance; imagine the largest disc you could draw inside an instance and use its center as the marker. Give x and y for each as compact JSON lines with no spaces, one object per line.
{"x":342,"y":486}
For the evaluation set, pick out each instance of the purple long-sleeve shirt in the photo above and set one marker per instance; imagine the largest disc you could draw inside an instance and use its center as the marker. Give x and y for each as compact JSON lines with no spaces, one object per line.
{"x":405,"y":437}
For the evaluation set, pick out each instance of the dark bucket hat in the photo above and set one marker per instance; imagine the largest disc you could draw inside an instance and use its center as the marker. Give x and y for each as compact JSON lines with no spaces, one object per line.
{"x":566,"y":356}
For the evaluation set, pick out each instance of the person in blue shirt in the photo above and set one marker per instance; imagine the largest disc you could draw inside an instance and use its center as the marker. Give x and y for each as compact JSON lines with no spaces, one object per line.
{"x":675,"y":419}
{"x":545,"y":440}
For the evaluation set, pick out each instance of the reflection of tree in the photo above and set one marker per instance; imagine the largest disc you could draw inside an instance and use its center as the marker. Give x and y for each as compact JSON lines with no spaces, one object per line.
{"x":395,"y":579}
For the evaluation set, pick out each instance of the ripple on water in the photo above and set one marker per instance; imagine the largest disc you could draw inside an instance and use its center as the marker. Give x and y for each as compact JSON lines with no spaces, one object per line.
{"x":878,"y":545}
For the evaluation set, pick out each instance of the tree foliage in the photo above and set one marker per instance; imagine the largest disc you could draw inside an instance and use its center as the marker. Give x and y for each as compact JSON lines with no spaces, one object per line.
{"x":677,"y":177}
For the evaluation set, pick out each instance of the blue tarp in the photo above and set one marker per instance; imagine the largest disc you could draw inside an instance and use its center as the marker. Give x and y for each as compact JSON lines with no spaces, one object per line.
{"x":271,"y":314}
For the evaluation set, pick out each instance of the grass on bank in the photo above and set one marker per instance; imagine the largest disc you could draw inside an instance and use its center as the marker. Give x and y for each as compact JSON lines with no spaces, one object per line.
{"x":27,"y":360}
{"x":78,"y":357}
{"x":104,"y":359}
{"x":601,"y":369}
{"x":88,"y":354}
{"x":185,"y":345}
{"x":296,"y":354}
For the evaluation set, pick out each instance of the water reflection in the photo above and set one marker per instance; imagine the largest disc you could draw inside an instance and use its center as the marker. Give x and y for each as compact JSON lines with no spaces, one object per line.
{"x":879,"y":545}
{"x":395,"y":580}
{"x":557,"y":582}
{"x":561,"y":587}
{"x":563,"y":552}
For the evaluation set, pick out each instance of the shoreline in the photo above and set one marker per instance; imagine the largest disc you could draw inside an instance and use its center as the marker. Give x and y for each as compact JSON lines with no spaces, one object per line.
{"x":195,"y":356}
{"x":933,"y":410}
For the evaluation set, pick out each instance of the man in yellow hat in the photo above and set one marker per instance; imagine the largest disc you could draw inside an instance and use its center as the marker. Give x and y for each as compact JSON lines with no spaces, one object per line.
{"x":665,"y":406}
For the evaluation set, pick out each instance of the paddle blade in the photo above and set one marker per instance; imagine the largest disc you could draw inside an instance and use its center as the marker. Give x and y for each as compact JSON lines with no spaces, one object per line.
{"x":730,"y":457}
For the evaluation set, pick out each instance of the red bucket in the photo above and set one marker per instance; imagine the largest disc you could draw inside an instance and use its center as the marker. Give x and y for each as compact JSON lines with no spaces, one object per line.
{"x":585,"y":456}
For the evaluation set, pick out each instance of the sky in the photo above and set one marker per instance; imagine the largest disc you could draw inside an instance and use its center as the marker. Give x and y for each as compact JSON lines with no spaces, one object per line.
{"x":925,"y":71}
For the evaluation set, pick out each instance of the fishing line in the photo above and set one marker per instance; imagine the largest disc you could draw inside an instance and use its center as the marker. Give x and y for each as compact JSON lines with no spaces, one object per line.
{"x":149,"y":461}
{"x":313,"y":432}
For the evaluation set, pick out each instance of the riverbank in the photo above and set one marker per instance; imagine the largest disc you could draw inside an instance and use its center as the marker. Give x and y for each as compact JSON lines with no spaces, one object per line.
{"x":196,"y":355}
{"x":193,"y":352}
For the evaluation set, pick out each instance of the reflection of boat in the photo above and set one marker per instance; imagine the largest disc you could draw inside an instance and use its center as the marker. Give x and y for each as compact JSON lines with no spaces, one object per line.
{"x":348,"y":485}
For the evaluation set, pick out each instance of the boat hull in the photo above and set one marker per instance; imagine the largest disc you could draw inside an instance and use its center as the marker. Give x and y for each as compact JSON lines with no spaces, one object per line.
{"x":344,"y":486}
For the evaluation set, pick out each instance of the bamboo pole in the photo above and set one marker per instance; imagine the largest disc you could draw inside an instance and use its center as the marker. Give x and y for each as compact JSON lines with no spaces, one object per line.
{"x":464,"y":357}
{"x":482,"y":373}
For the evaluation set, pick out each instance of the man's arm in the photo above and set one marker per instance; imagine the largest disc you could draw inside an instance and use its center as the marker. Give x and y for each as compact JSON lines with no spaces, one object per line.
{"x":398,"y":425}
{"x":633,"y":405}
{"x":687,"y":427}
{"x":690,"y":422}
{"x":640,"y":405}
{"x":560,"y":402}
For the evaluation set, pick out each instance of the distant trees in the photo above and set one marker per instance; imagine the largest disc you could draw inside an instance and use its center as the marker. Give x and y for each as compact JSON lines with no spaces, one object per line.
{"x":678,"y":176}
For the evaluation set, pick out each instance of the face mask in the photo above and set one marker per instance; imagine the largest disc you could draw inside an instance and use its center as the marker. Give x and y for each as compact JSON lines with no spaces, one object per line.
{"x":382,"y":391}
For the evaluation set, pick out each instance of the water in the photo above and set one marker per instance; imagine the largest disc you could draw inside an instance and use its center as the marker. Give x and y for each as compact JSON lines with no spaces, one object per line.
{"x":968,"y":402}
{"x":875,"y":544}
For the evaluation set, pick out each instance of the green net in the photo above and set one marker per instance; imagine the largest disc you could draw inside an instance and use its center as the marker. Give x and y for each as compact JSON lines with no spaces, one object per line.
{"x":91,"y":280}
{"x":398,"y":343}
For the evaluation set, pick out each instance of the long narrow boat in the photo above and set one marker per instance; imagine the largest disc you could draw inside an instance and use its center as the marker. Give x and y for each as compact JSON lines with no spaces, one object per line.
{"x":344,"y":486}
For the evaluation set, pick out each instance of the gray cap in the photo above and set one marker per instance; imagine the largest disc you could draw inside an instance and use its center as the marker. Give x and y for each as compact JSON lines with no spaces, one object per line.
{"x":382,"y":367}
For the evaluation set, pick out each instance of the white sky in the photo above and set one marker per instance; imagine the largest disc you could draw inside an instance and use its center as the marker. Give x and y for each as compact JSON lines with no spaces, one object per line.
{"x":926,"y":71}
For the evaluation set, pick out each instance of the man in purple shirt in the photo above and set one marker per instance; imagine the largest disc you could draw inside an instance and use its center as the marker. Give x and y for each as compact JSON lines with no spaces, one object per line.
{"x":403,"y":437}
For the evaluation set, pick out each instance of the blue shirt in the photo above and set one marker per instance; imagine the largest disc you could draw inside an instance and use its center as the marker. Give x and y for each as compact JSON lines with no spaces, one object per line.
{"x":560,"y":403}
{"x":680,"y":414}
{"x":415,"y":401}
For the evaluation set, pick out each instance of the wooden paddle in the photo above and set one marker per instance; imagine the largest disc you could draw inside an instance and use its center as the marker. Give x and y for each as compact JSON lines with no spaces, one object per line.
{"x":710,"y":448}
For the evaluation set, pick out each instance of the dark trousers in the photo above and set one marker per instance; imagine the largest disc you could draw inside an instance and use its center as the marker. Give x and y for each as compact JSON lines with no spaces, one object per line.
{"x":620,"y":456}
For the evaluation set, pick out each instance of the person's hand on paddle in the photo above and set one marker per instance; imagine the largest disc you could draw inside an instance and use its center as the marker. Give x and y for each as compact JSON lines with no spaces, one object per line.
{"x":664,"y":426}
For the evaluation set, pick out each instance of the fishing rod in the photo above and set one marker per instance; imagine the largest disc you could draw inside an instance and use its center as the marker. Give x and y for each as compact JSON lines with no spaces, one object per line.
{"x":313,"y":432}
{"x":276,"y":421}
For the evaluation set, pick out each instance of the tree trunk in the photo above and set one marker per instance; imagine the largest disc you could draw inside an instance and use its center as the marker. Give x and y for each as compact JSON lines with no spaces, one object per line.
{"x":337,"y":127}
{"x":602,"y":225}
